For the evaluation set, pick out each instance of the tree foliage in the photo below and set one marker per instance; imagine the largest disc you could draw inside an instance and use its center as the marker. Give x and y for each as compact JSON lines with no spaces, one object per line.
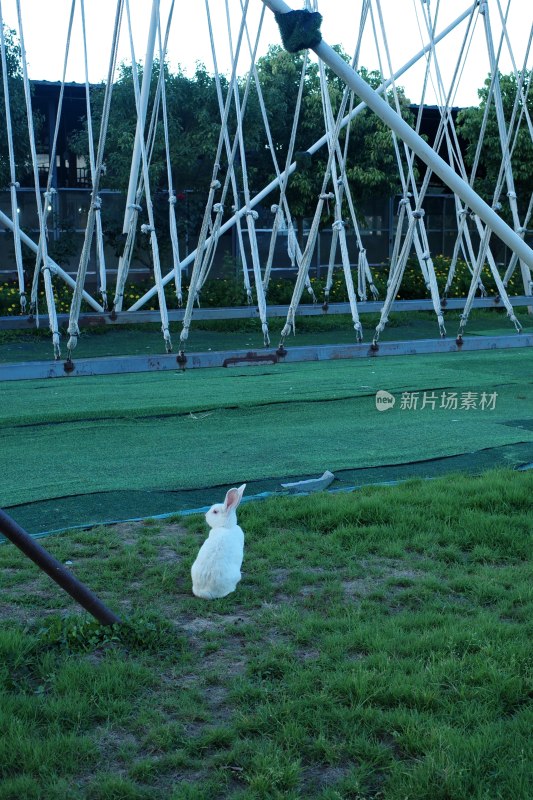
{"x":194,"y":129}
{"x":469,"y":125}
{"x":19,"y":122}
{"x":371,"y":162}
{"x":192,"y":110}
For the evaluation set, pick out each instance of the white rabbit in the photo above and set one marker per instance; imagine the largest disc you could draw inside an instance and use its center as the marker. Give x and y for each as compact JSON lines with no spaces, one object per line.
{"x":217,"y":569}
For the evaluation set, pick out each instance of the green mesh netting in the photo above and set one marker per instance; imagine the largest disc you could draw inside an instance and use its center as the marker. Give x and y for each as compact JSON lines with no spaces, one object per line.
{"x":87,"y":450}
{"x":101,"y":507}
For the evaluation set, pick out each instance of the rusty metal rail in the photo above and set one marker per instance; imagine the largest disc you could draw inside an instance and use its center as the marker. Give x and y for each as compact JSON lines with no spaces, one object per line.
{"x":32,"y":370}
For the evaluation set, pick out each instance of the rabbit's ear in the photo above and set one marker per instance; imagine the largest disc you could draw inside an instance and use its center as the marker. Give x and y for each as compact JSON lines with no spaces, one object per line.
{"x":233,"y":497}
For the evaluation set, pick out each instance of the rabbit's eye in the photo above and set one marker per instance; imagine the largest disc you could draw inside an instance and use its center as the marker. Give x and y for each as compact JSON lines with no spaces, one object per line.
{"x":215,"y":511}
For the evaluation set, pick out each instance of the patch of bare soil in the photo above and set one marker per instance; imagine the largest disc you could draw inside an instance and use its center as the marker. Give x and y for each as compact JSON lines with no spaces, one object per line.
{"x":200,"y":624}
{"x":321,"y":777}
{"x":22,"y":615}
{"x":380,"y":570}
{"x":279,"y":576}
{"x":307,"y":654}
{"x":394,"y":567}
{"x":51,"y":599}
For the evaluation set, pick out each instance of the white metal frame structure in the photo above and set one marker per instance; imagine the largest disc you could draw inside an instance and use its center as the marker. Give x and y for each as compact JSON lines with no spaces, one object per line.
{"x":487,"y":220}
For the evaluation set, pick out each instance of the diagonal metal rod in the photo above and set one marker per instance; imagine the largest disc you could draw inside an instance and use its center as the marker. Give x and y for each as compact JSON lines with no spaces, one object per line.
{"x":312,"y":149}
{"x":416,"y":143}
{"x":12,"y":531}
{"x":54,"y":268}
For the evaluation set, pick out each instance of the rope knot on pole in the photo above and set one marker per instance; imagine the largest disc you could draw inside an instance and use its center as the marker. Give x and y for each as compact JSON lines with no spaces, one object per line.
{"x":215,"y":184}
{"x":300,"y":30}
{"x":253,"y":214}
{"x":147,"y":228}
{"x":218,"y":208}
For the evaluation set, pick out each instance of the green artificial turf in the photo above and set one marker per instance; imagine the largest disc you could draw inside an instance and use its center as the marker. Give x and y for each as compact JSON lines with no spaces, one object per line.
{"x":178,"y":431}
{"x":160,"y":394}
{"x":378,"y":647}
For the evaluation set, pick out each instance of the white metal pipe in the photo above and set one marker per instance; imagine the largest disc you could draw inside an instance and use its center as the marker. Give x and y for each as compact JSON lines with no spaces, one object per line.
{"x":4,"y":220}
{"x":258,"y":198}
{"x":141,"y":116}
{"x":416,"y":143}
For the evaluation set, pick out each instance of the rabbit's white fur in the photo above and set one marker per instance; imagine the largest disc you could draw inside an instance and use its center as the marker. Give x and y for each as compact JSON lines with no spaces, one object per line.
{"x":217,"y":569}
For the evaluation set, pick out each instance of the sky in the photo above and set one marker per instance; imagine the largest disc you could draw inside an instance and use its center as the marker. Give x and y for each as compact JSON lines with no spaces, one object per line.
{"x":45,"y":24}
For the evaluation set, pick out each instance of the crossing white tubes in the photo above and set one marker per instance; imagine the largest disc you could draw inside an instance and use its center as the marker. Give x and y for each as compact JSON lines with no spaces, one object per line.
{"x":141,"y":117}
{"x":416,"y":143}
{"x":55,"y":268}
{"x":312,"y":149}
{"x":13,"y":182}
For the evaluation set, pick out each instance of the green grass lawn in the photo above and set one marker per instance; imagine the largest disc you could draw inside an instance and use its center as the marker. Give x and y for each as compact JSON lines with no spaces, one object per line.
{"x":379,"y":647}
